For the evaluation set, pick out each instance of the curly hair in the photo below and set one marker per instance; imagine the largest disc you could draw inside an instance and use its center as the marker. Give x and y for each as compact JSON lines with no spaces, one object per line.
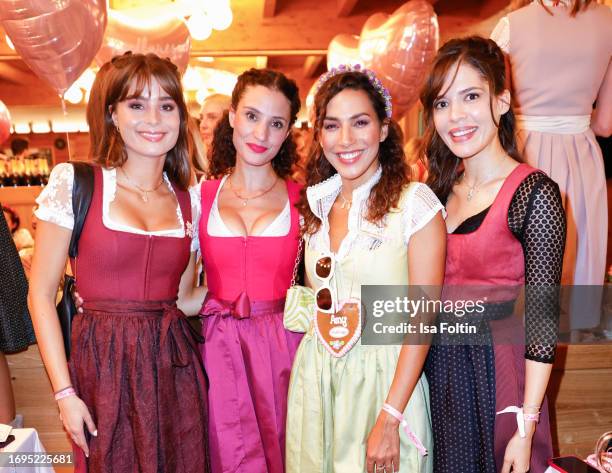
{"x":386,"y":193}
{"x":223,"y":152}
{"x":485,"y":57}
{"x":127,"y":77}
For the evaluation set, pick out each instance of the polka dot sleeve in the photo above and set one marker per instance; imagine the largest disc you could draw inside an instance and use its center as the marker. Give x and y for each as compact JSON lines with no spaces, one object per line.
{"x":537,"y":218}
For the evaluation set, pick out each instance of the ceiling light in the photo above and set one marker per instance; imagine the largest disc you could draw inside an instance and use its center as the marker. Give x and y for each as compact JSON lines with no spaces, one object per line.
{"x":220,"y":17}
{"x":74,"y":94}
{"x":192,"y":80}
{"x":22,"y":128}
{"x":199,"y":26}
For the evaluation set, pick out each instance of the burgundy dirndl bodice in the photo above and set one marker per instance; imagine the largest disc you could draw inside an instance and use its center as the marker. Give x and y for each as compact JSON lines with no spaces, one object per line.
{"x":135,"y":362}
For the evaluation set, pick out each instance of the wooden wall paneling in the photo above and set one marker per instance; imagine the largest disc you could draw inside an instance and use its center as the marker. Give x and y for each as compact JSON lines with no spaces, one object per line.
{"x":22,"y":200}
{"x":580,"y":394}
{"x":269,"y":8}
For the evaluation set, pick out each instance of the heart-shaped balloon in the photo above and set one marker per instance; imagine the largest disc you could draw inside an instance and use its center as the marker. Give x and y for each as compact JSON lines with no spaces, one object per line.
{"x":399,"y":48}
{"x":5,"y":122}
{"x":343,"y":49}
{"x":56,"y":39}
{"x":146,"y":31}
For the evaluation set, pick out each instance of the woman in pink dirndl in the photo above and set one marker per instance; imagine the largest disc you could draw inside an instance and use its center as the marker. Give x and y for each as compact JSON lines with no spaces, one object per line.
{"x":249,"y":235}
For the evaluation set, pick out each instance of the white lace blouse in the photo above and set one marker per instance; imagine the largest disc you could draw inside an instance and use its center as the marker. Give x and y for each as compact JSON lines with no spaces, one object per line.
{"x":419,"y":207}
{"x":55,"y":204}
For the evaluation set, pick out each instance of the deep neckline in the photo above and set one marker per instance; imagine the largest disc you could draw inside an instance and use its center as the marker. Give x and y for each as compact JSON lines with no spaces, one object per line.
{"x":472,"y":219}
{"x":215,"y":204}
{"x":488,"y":209}
{"x":130,"y":230}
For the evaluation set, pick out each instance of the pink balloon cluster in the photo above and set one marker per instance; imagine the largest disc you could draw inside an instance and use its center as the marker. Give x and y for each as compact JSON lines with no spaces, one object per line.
{"x":399,"y":48}
{"x":57,"y":39}
{"x":169,"y":37}
{"x":5,"y":123}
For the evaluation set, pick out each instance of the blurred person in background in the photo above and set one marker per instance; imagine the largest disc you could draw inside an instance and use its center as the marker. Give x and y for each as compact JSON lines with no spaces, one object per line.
{"x":211,"y":112}
{"x":558,"y":53}
{"x":16,"y":331}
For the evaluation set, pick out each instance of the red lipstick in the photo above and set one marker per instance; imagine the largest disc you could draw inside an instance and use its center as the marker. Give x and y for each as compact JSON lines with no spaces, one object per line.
{"x":256,"y":148}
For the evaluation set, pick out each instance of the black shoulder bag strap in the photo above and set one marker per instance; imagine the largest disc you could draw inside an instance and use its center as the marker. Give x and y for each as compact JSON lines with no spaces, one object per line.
{"x":82,"y":191}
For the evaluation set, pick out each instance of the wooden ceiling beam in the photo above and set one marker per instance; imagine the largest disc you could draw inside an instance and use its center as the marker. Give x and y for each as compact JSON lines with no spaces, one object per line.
{"x":269,"y":8}
{"x":15,"y":75}
{"x":345,"y":7}
{"x":312,"y":65}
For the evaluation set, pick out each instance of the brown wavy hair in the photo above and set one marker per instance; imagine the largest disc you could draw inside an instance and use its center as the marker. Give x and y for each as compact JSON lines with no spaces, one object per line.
{"x":95,"y":111}
{"x":485,"y":56}
{"x":116,"y":85}
{"x":223,"y":152}
{"x":395,"y":173}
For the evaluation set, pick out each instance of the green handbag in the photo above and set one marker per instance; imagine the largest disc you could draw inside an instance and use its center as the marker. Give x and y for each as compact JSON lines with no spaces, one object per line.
{"x":300,"y":301}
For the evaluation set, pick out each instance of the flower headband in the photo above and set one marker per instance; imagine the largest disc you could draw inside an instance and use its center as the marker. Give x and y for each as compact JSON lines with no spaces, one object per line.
{"x":375,"y":81}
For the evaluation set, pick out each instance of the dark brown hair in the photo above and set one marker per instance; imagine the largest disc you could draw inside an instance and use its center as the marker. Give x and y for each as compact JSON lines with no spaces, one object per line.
{"x":486,"y":57}
{"x":128,"y":76}
{"x":577,"y":5}
{"x":95,"y":111}
{"x":223,"y":153}
{"x":386,"y":193}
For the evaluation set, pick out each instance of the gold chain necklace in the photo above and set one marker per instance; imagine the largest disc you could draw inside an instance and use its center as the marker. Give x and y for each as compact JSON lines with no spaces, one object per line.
{"x":346,"y":204}
{"x":245,"y":200}
{"x":145,"y":192}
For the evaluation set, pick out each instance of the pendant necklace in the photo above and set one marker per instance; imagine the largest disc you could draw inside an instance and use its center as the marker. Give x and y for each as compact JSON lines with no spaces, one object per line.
{"x":245,"y":200}
{"x":144,"y":192}
{"x":346,"y":204}
{"x":472,"y":189}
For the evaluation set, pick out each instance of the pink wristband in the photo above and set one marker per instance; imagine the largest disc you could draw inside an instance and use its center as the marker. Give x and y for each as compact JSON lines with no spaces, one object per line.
{"x":389,"y":409}
{"x":61,"y":394}
{"x":531,"y":417}
{"x":521,"y":418}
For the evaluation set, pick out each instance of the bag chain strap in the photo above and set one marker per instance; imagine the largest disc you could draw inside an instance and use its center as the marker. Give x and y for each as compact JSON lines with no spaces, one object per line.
{"x":297,"y":261}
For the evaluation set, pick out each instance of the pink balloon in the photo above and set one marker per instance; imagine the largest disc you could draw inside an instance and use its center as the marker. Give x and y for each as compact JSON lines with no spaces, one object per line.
{"x":168,"y":38}
{"x":5,"y":122}
{"x":57,"y":39}
{"x":399,"y":48}
{"x":343,"y":49}
{"x":406,"y":44}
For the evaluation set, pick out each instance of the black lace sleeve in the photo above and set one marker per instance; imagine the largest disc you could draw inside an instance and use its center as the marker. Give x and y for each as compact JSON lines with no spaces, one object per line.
{"x":536,"y":217}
